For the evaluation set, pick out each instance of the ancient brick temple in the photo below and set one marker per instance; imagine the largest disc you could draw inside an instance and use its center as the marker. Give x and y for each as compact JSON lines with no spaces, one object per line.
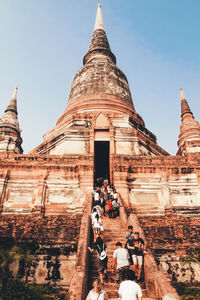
{"x":45,"y":195}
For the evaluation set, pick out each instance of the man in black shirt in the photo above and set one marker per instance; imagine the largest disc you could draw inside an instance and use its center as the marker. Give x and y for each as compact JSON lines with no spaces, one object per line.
{"x":136,"y":246}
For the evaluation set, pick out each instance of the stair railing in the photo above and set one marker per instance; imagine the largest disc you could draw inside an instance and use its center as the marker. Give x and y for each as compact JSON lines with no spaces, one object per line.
{"x":79,"y":284}
{"x":157,"y":282}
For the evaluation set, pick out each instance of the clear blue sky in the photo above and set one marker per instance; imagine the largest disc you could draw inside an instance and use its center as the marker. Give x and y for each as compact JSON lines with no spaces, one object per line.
{"x":156,"y":43}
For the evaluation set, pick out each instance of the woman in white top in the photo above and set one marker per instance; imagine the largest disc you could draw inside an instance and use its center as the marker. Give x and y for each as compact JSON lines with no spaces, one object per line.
{"x":97,"y":224}
{"x":97,"y":293}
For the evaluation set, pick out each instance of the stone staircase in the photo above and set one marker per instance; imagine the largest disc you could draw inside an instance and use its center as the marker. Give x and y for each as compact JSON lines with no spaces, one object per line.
{"x":113,"y":232}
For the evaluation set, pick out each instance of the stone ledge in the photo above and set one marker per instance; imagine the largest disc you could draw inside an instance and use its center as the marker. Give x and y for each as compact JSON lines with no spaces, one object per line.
{"x":157,"y":282}
{"x":78,"y":286}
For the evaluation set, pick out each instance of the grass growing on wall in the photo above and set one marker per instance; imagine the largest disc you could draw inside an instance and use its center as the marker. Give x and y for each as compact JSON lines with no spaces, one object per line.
{"x":15,"y":286}
{"x":18,"y":290}
{"x":188,"y":292}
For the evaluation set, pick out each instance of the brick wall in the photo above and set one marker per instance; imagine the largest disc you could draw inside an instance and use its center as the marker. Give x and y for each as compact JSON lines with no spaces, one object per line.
{"x":63,"y":228}
{"x":172,"y":231}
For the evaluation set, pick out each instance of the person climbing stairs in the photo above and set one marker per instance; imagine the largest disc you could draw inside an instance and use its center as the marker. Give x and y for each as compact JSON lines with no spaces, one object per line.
{"x":113,"y":232}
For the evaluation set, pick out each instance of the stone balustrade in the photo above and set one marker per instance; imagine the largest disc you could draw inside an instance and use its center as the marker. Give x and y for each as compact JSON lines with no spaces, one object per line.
{"x":79,"y":282}
{"x":157,"y":282}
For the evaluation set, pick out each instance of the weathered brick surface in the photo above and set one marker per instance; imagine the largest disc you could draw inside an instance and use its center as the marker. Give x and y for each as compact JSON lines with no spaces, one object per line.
{"x":172,"y":238}
{"x":30,"y":228}
{"x":156,"y":183}
{"x":171,"y":231}
{"x":53,"y":241}
{"x":46,"y":185}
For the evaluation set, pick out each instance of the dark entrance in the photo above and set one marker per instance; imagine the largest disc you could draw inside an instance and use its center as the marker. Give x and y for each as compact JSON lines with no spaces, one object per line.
{"x":101,"y":160}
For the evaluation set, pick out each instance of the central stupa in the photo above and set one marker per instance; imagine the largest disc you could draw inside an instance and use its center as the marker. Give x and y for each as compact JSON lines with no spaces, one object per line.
{"x":100,"y":84}
{"x":100,"y":116}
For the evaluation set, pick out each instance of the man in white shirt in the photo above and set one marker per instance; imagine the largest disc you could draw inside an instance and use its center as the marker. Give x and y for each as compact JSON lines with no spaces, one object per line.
{"x":129,"y":289}
{"x":120,"y":258}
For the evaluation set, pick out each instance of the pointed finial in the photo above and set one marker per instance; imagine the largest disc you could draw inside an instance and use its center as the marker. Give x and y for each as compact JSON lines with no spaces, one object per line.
{"x":15,"y":93}
{"x":99,"y":19}
{"x":185,"y":109}
{"x":182,"y":94}
{"x":13,"y":102}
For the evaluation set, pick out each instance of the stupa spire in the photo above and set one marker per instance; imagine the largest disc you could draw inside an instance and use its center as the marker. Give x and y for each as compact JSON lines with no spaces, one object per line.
{"x":189,"y":137}
{"x":10,"y":133}
{"x":185,"y":109}
{"x":13,"y":102}
{"x":99,"y":19}
{"x":182,"y":94}
{"x":99,"y":44}
{"x":15,"y":93}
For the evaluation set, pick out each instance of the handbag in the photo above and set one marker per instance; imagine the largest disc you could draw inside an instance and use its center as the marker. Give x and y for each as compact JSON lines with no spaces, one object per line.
{"x":103,"y":255}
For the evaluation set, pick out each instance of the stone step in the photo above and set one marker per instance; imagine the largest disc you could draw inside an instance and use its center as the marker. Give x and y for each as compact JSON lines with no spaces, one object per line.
{"x":114,"y":227}
{"x":111,"y":222}
{"x":114,"y":292}
{"x":115,"y":235}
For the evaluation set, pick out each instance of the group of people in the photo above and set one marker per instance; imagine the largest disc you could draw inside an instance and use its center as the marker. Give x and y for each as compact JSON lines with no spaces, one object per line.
{"x":106,"y":197}
{"x":127,"y":261}
{"x":128,"y":289}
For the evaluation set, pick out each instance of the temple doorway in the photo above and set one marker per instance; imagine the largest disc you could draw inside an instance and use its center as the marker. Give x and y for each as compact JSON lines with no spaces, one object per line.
{"x":101,"y":160}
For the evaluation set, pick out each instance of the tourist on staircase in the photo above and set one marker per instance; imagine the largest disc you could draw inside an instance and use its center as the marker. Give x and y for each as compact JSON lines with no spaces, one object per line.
{"x":98,"y":209}
{"x":94,"y":213}
{"x":102,"y":203}
{"x":130,"y":233}
{"x":100,"y":247}
{"x":105,"y":183}
{"x":115,"y":194}
{"x":121,"y":261}
{"x":129,"y":236}
{"x":115,"y":205}
{"x":97,"y":293}
{"x":96,"y":196}
{"x":129,"y":289}
{"x":97,"y":226}
{"x":110,"y":208}
{"x":136,"y":246}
